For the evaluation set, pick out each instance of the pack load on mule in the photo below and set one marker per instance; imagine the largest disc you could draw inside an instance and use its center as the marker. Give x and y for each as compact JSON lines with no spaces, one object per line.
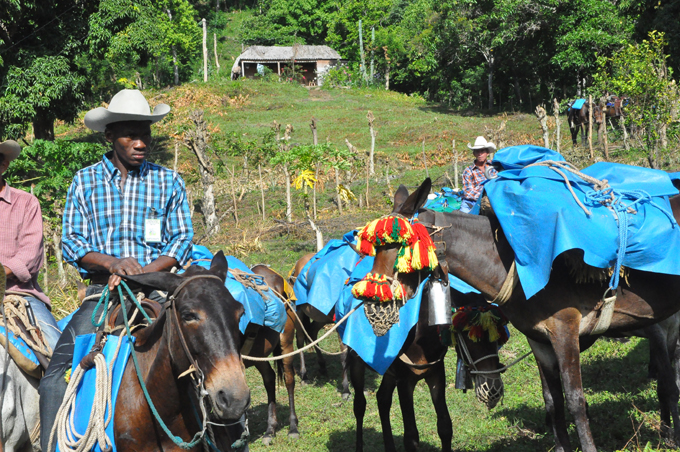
{"x":578,"y":117}
{"x":617,"y":215}
{"x":570,"y":306}
{"x":403,"y":256}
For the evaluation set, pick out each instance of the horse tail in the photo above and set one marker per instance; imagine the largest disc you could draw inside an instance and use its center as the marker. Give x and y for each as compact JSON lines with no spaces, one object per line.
{"x":279,"y":365}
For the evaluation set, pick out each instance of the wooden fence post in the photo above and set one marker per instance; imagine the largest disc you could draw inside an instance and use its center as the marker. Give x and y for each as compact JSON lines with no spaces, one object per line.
{"x":590,"y":125}
{"x":558,"y":136}
{"x":543,"y":119}
{"x":205,"y":51}
{"x":217,"y":61}
{"x":373,"y":133}
{"x":427,"y":171}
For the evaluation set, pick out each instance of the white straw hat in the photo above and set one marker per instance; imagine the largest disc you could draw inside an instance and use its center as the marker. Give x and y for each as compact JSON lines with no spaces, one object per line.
{"x":126,"y":105}
{"x":11,"y":149}
{"x":481,"y":143}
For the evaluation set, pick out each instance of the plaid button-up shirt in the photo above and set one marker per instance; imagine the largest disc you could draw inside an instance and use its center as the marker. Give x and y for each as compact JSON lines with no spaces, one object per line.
{"x":473,"y":176}
{"x":101,"y":216}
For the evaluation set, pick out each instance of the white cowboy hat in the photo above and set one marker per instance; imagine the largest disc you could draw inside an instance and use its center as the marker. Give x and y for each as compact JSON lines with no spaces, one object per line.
{"x":481,"y":143}
{"x":10,"y":149}
{"x":126,"y":105}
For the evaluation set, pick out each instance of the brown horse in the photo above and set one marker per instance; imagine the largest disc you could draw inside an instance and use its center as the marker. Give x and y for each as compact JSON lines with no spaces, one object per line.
{"x":199,"y":329}
{"x":313,"y":321}
{"x":269,"y":342}
{"x":421,"y":357}
{"x":579,"y":120}
{"x":559,"y":319}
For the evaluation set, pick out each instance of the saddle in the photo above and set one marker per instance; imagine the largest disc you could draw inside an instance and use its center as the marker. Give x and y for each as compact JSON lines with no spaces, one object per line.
{"x":21,"y":336}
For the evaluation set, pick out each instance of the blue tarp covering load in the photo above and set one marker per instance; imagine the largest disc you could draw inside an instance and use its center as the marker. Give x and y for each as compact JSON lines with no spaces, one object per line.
{"x":578,"y":104}
{"x":20,"y":345}
{"x":541,"y":219}
{"x":322,"y":279}
{"x":445,"y":201}
{"x":268,"y":311}
{"x":85,"y":392}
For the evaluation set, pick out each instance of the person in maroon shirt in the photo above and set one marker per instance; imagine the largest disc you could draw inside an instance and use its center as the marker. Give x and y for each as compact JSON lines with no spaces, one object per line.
{"x":21,"y":245}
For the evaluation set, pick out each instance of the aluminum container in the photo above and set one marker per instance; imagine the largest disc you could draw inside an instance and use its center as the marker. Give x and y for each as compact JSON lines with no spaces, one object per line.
{"x":439,"y":298}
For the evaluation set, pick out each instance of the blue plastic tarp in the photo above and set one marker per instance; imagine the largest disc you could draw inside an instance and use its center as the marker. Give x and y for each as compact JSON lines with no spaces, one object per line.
{"x":541,"y":219}
{"x":578,"y":104}
{"x":322,"y":279}
{"x":85,"y":391}
{"x":266,"y":311}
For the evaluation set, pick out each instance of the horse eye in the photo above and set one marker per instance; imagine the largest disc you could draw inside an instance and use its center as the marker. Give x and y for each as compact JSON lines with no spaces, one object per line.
{"x":190,"y":316}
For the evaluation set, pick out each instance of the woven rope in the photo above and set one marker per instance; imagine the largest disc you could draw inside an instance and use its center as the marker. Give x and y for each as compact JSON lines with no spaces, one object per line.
{"x":382,"y":315}
{"x":15,"y":306}
{"x":508,"y":286}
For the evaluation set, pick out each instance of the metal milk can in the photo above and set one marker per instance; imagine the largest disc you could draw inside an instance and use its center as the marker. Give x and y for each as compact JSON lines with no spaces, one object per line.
{"x":439,"y":298}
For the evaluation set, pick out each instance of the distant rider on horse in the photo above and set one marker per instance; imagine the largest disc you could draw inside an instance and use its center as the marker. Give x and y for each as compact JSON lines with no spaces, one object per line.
{"x":21,"y":245}
{"x":473,"y":175}
{"x":123,"y":215}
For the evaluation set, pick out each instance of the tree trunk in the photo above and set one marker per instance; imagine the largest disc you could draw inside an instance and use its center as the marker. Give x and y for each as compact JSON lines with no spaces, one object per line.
{"x":174,"y":55}
{"x":289,"y":203}
{"x":558,"y":133}
{"x":337,"y":190}
{"x":590,"y":126}
{"x":197,"y":140}
{"x":622,"y":122}
{"x":56,"y":240}
{"x":43,"y":125}
{"x":259,"y":170}
{"x":205,"y":52}
{"x":543,"y":119}
{"x":490,"y":83}
{"x":371,"y":129}
{"x":312,"y":125}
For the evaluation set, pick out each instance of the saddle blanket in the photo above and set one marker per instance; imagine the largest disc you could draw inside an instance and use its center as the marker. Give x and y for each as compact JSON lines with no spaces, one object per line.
{"x":541,"y":219}
{"x":357,"y":333}
{"x":578,"y":104}
{"x":322,"y":279}
{"x":445,"y":201}
{"x":85,"y":391}
{"x":267,"y":310}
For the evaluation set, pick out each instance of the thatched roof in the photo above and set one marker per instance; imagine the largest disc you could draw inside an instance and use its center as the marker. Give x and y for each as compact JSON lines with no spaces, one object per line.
{"x":265,"y":54}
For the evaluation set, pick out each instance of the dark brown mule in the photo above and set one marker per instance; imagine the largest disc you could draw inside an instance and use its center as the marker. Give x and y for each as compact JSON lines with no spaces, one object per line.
{"x":579,"y":120}
{"x":421,"y":357}
{"x":269,"y":342}
{"x":207,"y":317}
{"x":557,"y":321}
{"x":313,"y":321}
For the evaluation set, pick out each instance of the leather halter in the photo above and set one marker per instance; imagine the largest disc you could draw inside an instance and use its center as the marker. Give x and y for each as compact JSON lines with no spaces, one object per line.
{"x":174,"y":319}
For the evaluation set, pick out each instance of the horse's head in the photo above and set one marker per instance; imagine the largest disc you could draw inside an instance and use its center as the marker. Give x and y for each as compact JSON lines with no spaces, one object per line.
{"x":202,"y":327}
{"x":403,"y":250}
{"x":477,"y":331}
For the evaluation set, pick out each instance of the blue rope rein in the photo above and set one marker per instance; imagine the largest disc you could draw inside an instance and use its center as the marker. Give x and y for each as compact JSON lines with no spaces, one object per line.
{"x":198,"y":437}
{"x":622,"y":202}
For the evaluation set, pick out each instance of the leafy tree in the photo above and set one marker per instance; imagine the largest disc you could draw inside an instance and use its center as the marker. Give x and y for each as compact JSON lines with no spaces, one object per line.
{"x":640,"y":72}
{"x":40,"y":80}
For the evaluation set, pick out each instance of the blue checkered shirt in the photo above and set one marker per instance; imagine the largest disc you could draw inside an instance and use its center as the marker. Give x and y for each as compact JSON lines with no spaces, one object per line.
{"x":101,"y":217}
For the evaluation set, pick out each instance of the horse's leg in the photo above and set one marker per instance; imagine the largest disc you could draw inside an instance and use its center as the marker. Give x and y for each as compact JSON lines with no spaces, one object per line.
{"x":323,"y":370}
{"x":357,"y":369}
{"x":565,"y":343}
{"x":405,"y":387}
{"x":552,"y":393}
{"x":345,"y":379}
{"x":384,"y":397}
{"x":300,"y":337}
{"x":286,"y":344}
{"x":436,"y":380}
{"x":269,"y":380}
{"x":667,"y":390}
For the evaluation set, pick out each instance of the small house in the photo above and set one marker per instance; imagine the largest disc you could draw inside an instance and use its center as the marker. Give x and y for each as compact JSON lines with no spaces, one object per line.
{"x":312,"y":62}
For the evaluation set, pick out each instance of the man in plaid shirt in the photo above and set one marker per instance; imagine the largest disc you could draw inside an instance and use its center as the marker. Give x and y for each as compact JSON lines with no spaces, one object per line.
{"x":473,"y":175}
{"x":123,"y":215}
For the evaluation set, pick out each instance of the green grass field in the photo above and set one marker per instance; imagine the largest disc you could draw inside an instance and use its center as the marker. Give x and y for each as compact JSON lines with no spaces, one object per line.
{"x":623,"y":407}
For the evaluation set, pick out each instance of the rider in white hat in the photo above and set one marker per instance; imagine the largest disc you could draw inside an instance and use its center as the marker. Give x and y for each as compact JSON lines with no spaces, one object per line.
{"x":473,"y":175}
{"x":123,"y":215}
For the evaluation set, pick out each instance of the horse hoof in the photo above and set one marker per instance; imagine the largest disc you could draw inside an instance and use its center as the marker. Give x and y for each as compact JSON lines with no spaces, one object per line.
{"x":294,"y":435}
{"x":345,"y":396}
{"x":267,"y":440}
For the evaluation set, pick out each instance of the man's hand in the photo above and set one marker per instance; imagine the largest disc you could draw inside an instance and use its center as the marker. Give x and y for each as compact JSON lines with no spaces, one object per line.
{"x":127,"y":266}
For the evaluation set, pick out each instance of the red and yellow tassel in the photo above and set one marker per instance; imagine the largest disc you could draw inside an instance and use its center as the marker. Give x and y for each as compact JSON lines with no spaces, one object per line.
{"x":479,"y":320}
{"x":376,"y":287}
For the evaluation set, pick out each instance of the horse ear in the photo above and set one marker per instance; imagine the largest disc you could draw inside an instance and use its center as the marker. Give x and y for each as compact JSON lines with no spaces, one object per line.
{"x":400,"y":198}
{"x":219,"y":265}
{"x":417,"y":199}
{"x":164,"y":281}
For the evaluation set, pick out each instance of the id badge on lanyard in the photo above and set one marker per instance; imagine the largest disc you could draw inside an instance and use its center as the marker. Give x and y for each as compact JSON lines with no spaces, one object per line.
{"x":152,"y":227}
